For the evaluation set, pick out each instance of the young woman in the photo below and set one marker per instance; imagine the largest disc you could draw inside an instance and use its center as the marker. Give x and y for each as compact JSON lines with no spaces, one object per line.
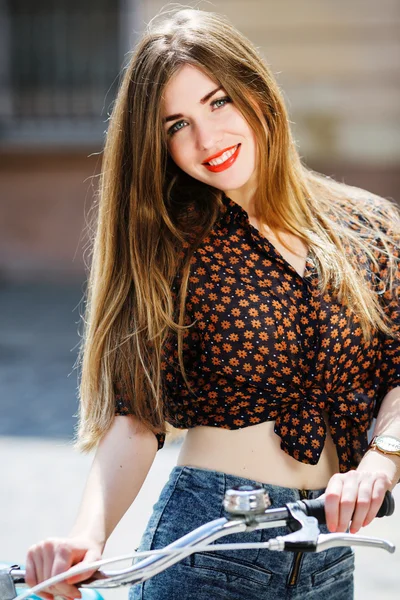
{"x":237,"y":294}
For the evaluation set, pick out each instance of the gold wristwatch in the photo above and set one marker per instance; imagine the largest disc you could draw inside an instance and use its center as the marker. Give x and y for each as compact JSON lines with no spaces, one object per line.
{"x":386,"y":444}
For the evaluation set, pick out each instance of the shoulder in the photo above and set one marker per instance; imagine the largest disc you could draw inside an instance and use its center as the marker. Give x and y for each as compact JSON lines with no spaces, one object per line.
{"x":371,"y":211}
{"x":374,"y":204}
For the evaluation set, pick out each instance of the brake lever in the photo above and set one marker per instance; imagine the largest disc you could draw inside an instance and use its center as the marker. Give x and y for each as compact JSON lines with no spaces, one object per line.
{"x":305,"y":530}
{"x":306,"y":536}
{"x":330,"y":540}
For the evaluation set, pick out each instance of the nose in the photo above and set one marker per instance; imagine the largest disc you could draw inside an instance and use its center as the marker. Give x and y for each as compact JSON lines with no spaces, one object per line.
{"x":208,"y":136}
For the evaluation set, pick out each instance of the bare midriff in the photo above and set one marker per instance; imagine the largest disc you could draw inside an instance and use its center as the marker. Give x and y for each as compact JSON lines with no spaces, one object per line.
{"x":254,"y":453}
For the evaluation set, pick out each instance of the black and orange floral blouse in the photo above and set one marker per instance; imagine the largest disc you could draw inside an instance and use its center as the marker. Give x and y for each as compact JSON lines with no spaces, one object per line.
{"x":266,"y":345}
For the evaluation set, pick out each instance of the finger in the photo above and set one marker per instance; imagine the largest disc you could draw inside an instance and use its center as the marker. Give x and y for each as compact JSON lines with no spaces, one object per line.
{"x":363,"y":503}
{"x":66,"y":590}
{"x":91,"y":556}
{"x":348,"y":502}
{"x":48,"y":557}
{"x":39,"y":567}
{"x":30,"y":570}
{"x":35,"y":576}
{"x":377,"y":496}
{"x":47,"y":563}
{"x":81,"y":577}
{"x":62,"y":561}
{"x":332,"y":500}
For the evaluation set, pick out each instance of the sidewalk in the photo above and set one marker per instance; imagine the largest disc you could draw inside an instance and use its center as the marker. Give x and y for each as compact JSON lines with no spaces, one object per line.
{"x":42,"y":482}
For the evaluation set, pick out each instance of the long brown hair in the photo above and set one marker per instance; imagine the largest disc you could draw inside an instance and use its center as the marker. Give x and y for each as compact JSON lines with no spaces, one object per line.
{"x":145,"y":217}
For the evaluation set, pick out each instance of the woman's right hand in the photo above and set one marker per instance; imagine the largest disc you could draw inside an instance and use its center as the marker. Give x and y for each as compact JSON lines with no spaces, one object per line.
{"x":56,"y":555}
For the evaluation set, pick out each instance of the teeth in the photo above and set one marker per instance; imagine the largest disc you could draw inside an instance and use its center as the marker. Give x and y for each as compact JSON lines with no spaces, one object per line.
{"x":223,"y":158}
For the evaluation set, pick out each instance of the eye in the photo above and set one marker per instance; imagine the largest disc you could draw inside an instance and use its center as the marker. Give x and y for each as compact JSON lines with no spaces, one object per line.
{"x":225,"y":99}
{"x":175,"y":127}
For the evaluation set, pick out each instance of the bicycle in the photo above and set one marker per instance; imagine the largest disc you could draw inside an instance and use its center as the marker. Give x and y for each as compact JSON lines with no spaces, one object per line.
{"x":247,"y":509}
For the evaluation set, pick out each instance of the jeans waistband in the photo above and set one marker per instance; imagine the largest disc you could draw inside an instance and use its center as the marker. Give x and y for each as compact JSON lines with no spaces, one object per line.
{"x":216,"y":479}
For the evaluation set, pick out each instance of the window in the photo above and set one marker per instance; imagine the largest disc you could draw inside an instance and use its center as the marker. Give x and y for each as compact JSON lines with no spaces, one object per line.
{"x":60,"y":69}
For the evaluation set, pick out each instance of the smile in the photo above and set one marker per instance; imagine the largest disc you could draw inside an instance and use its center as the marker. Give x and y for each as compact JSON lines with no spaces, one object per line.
{"x":225,"y":161}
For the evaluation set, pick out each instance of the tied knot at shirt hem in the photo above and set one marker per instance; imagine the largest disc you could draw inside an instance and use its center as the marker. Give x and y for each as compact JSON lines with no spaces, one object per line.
{"x":301,"y":426}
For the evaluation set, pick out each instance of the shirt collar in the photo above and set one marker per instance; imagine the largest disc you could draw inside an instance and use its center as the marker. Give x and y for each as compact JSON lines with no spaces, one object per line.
{"x":232,"y":209}
{"x":233,"y":212}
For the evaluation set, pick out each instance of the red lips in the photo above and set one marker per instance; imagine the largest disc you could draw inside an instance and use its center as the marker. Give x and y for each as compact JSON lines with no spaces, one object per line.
{"x":224,"y":165}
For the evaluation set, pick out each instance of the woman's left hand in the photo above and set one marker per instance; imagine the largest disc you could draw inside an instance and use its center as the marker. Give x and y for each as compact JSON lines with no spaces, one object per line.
{"x":354,"y":496}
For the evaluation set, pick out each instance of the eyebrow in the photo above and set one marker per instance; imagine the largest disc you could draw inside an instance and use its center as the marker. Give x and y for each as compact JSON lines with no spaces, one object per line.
{"x":202,"y":101}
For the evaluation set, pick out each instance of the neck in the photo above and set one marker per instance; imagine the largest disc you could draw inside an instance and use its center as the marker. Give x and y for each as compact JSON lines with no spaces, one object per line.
{"x":245,"y":200}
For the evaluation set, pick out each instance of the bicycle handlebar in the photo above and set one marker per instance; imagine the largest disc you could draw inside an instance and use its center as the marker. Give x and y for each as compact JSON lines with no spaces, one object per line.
{"x":248,"y":509}
{"x":316,"y":508}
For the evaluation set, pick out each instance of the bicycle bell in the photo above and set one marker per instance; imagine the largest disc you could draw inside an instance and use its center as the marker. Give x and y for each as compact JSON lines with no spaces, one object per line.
{"x":243,"y":499}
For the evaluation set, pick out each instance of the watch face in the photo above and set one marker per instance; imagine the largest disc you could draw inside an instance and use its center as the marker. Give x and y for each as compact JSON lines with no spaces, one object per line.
{"x":388,"y":444}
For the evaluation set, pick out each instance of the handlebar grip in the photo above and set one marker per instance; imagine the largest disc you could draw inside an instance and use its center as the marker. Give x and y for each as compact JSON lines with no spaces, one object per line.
{"x":316,"y":508}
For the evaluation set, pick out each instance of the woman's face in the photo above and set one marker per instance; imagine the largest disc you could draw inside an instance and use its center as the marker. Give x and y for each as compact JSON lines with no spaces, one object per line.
{"x":201,"y":127}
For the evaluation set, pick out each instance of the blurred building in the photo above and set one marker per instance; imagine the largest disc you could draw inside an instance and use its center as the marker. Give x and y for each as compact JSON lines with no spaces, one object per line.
{"x":60,"y":64}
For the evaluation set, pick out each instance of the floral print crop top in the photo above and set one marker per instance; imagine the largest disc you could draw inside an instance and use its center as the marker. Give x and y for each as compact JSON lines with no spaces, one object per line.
{"x":266,"y":345}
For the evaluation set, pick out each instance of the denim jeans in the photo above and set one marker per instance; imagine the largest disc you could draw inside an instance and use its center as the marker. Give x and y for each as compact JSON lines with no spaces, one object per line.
{"x":193,"y":496}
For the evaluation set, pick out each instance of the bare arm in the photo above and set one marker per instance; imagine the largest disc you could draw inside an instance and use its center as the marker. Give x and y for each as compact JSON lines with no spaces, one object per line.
{"x":358,"y":494}
{"x":388,"y":423}
{"x":120,"y":466}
